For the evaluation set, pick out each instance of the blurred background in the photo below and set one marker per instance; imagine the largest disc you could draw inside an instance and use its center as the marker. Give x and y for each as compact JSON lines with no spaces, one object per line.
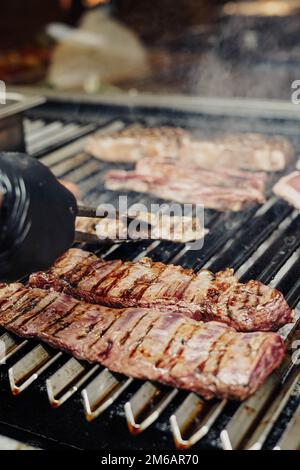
{"x":195,"y":47}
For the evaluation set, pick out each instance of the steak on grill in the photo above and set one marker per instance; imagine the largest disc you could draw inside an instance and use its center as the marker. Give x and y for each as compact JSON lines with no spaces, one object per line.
{"x":288,"y":188}
{"x":129,"y":145}
{"x":183,"y":170}
{"x":208,"y":358}
{"x":168,"y":178}
{"x":203,"y":296}
{"x":247,"y":151}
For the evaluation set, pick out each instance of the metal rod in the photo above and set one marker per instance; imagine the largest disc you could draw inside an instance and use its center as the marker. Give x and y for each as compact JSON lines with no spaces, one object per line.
{"x":102,"y":392}
{"x":30,"y":367}
{"x":67,"y":380}
{"x":147,"y":404}
{"x":197,"y":415}
{"x":290,"y":440}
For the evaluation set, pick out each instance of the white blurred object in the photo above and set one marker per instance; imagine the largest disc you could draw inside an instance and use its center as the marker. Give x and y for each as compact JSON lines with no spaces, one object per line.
{"x":10,"y":444}
{"x":101,"y":50}
{"x":61,"y":32}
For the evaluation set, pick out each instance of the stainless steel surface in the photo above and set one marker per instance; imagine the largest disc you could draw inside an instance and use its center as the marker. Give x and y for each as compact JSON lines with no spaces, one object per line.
{"x":266,"y":424}
{"x":11,"y":120}
{"x":9,"y":346}
{"x":146,"y":405}
{"x":18,"y":103}
{"x":102,"y":392}
{"x":24,"y":372}
{"x":274,"y":109}
{"x":67,"y":380}
{"x":193,"y":419}
{"x":290,"y":440}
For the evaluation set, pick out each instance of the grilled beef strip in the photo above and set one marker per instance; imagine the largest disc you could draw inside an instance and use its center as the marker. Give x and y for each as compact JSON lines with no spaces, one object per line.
{"x":248,"y":151}
{"x":177,"y":180}
{"x":208,"y":358}
{"x":204,"y":296}
{"x":129,"y":145}
{"x":224,"y":177}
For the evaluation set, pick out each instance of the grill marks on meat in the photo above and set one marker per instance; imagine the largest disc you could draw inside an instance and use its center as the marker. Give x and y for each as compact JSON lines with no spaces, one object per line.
{"x":97,"y":272}
{"x":248,"y":151}
{"x":136,"y":281}
{"x":203,"y":296}
{"x":22,"y":315}
{"x":183,"y":170}
{"x":184,"y":182}
{"x":170,"y":284}
{"x":145,"y":343}
{"x":60,"y":307}
{"x":129,"y":145}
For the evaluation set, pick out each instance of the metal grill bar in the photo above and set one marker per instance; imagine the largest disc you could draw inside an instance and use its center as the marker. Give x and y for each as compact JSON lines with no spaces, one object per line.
{"x":43,"y":132}
{"x":31,"y":125}
{"x":146,"y":405}
{"x":225,"y":228}
{"x":290,"y":284}
{"x":196,"y":415}
{"x":290,"y":439}
{"x":276,"y":255}
{"x":67,"y":380}
{"x":24,"y":372}
{"x":102,"y":392}
{"x":45,"y":145}
{"x":10,"y":346}
{"x":266,"y":424}
{"x":66,"y":152}
{"x":262,"y":226}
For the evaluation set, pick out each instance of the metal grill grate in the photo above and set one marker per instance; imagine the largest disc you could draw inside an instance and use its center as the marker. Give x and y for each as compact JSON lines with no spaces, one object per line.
{"x":260,"y":242}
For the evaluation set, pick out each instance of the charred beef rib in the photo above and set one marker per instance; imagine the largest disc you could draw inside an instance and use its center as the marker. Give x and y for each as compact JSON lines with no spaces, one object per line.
{"x":204,"y":296}
{"x":208,"y":358}
{"x":248,"y":151}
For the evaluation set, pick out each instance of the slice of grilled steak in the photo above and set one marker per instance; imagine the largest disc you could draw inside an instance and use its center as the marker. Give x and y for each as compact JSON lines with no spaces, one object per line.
{"x":168,"y":167}
{"x":129,"y":145}
{"x":208,"y":358}
{"x":288,"y":188}
{"x":247,"y":151}
{"x":203,"y":296}
{"x":178,"y":181}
